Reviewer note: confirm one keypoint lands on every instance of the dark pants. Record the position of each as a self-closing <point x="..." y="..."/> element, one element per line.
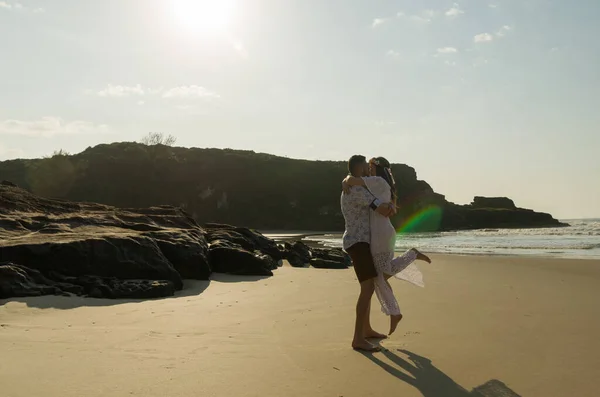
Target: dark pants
<point x="362" y="260"/>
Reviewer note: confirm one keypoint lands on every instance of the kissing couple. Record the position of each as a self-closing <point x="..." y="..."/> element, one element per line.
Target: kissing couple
<point x="368" y="201"/>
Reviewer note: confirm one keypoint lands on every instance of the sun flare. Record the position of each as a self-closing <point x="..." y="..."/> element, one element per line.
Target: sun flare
<point x="204" y="16"/>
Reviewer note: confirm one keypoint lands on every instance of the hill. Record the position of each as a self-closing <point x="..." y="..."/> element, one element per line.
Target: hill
<point x="256" y="190"/>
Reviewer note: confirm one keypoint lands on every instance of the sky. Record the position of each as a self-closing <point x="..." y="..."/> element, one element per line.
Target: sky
<point x="481" y="97"/>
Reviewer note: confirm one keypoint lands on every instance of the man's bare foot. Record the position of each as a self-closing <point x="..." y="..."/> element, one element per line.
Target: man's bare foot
<point x="365" y="346"/>
<point x="394" y="320"/>
<point x="374" y="334"/>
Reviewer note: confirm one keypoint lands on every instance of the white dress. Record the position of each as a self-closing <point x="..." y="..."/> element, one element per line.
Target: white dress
<point x="383" y="241"/>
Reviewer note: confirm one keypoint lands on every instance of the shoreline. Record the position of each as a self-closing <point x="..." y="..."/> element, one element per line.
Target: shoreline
<point x="319" y="244"/>
<point x="581" y="242"/>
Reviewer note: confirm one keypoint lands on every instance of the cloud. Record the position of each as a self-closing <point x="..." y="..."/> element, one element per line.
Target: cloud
<point x="493" y="5"/>
<point x="51" y="126"/>
<point x="183" y="92"/>
<point x="121" y="91"/>
<point x="189" y="92"/>
<point x="483" y="38"/>
<point x="18" y="6"/>
<point x="378" y="22"/>
<point x="450" y="63"/>
<point x="393" y="54"/>
<point x="426" y="16"/>
<point x="447" y="50"/>
<point x="504" y="31"/>
<point x="454" y="11"/>
<point x="418" y="18"/>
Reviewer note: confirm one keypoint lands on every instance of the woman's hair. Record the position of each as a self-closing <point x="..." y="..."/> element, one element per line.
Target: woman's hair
<point x="384" y="170"/>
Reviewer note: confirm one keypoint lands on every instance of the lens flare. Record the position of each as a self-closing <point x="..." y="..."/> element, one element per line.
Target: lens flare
<point x="427" y="219"/>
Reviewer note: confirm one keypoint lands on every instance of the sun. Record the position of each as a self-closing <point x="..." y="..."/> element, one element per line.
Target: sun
<point x="204" y="16"/>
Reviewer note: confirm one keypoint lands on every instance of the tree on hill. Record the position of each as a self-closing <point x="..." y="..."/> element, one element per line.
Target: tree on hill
<point x="158" y="138"/>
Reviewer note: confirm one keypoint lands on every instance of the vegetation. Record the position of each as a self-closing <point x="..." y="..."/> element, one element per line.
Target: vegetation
<point x="158" y="138"/>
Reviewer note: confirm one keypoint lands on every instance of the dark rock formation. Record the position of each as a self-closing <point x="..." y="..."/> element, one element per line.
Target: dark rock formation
<point x="50" y="246"/>
<point x="493" y="202"/>
<point x="299" y="254"/>
<point x="21" y="281"/>
<point x="250" y="240"/>
<point x="331" y="255"/>
<point x="228" y="257"/>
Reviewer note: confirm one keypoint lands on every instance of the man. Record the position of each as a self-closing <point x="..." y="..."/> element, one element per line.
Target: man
<point x="356" y="242"/>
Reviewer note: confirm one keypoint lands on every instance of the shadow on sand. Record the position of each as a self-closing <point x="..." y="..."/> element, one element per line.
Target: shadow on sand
<point x="420" y="373"/>
<point x="190" y="288"/>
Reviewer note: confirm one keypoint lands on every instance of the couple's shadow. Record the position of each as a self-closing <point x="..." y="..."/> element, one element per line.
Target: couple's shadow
<point x="420" y="373"/>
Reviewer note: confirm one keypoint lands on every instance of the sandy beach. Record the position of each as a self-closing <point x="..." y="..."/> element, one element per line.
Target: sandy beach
<point x="503" y="325"/>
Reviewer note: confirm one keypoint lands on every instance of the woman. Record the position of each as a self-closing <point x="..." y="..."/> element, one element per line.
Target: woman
<point x="383" y="239"/>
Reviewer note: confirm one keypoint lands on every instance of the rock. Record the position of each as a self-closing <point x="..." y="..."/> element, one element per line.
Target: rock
<point x="124" y="257"/>
<point x="186" y="250"/>
<point x="327" y="264"/>
<point x="485" y="218"/>
<point x="332" y="254"/>
<point x="297" y="254"/>
<point x="493" y="202"/>
<point x="231" y="258"/>
<point x="21" y="281"/>
<point x="57" y="246"/>
<point x="114" y="288"/>
<point x="329" y="258"/>
<point x="250" y="240"/>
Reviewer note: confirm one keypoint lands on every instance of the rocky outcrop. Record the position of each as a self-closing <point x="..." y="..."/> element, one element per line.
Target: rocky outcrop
<point x="59" y="247"/>
<point x="297" y="253"/>
<point x="50" y="246"/>
<point x="21" y="281"/>
<point x="493" y="202"/>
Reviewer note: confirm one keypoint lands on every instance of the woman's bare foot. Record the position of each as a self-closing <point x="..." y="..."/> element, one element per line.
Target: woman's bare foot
<point x="374" y="334"/>
<point x="422" y="256"/>
<point x="363" y="345"/>
<point x="394" y="320"/>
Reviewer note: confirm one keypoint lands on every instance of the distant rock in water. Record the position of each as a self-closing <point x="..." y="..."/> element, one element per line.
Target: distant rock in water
<point x="493" y="202"/>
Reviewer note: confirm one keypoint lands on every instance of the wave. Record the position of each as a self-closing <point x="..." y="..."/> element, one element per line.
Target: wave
<point x="578" y="240"/>
<point x="510" y="247"/>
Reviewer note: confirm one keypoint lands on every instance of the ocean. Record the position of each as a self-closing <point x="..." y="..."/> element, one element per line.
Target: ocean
<point x="581" y="240"/>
